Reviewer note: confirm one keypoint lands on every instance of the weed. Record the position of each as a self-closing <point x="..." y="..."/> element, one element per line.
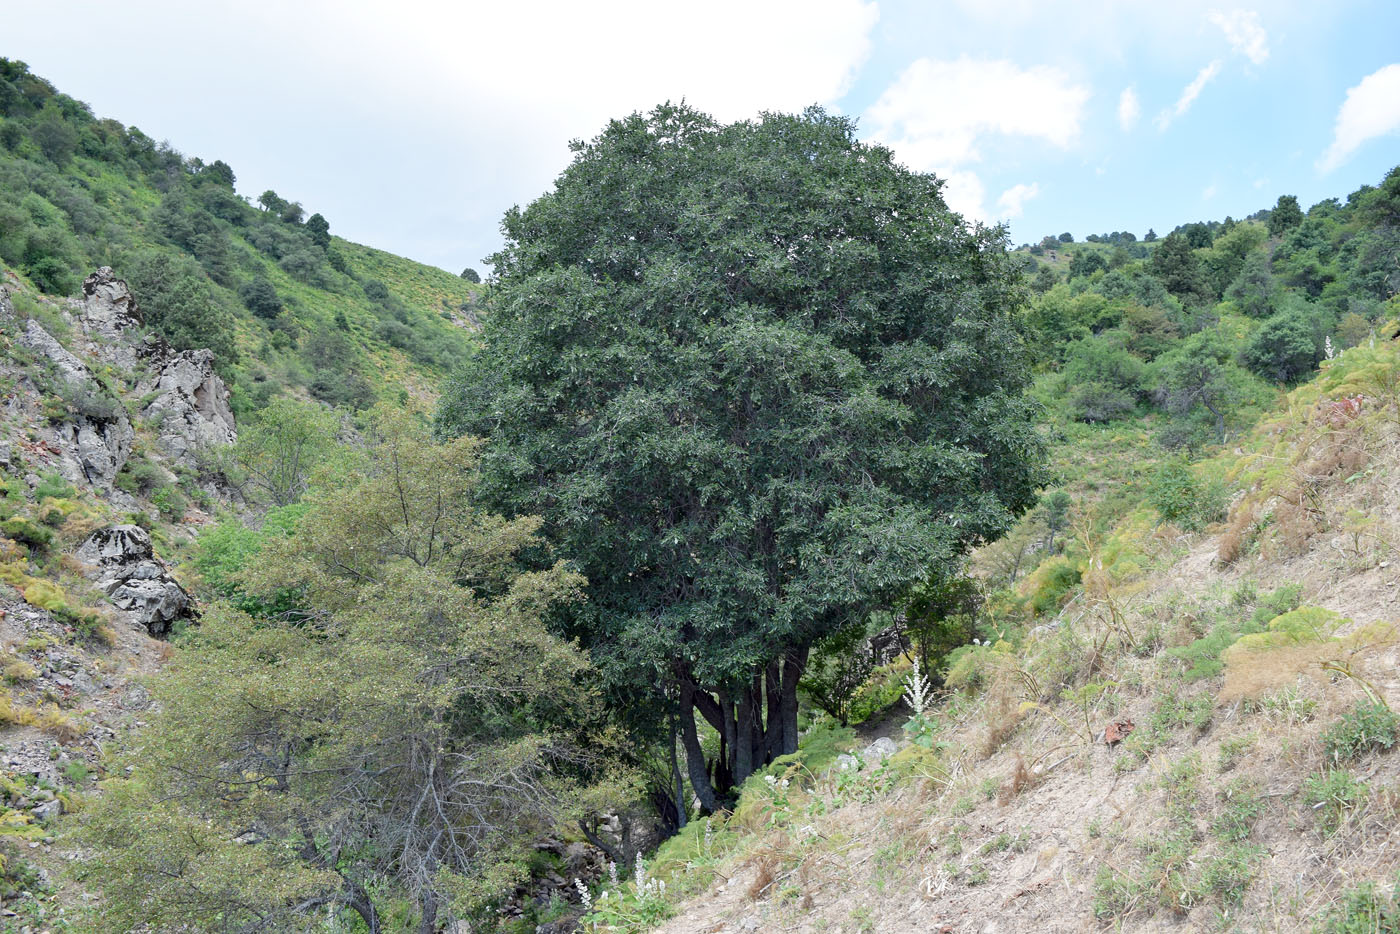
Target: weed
<point x="1233" y="750"/>
<point x="1367" y="727"/>
<point x="1333" y="795"/>
<point x="1241" y="808"/>
<point x="976" y="873"/>
<point x="1363" y="910"/>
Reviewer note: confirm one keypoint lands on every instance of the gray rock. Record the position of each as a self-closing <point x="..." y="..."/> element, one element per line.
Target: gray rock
<point x="847" y="763"/>
<point x="127" y="570"/>
<point x="116" y="545"/>
<point x="109" y="308"/>
<point x="882" y="748"/>
<point x="94" y="450"/>
<point x="191" y="406"/>
<point x="94" y="443"/>
<point x="48" y="809"/>
<point x="69" y="367"/>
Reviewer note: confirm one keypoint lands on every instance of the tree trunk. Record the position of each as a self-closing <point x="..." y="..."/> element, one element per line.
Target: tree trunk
<point x="743" y="741"/>
<point x="772" y="693"/>
<point x="694" y="755"/>
<point x="360" y="902"/>
<point x="676" y="779"/>
<point x="728" y="741"/>
<point x="793" y="666"/>
<point x="427" y="922"/>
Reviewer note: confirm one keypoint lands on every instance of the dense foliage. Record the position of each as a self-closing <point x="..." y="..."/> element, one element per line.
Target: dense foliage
<point x="759" y="380"/>
<point x="1197" y="325"/>
<point x="400" y="736"/>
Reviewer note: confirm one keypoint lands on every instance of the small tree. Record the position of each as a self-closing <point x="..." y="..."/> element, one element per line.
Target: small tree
<point x="279" y="452"/>
<point x="261" y="297"/>
<point x="471" y="275"/>
<point x="1283" y="349"/>
<point x="55" y="136"/>
<point x="271" y="202"/>
<point x="1066" y="237"/>
<point x="320" y="230"/>
<point x="941" y="616"/>
<point x="1285" y="215"/>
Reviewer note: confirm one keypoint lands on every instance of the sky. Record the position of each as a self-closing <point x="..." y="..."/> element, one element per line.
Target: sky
<point x="414" y="126"/>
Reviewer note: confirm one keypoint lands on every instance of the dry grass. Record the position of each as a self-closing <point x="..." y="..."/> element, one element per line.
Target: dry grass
<point x="1022" y="778"/>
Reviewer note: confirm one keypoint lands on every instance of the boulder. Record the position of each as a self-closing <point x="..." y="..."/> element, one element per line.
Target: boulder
<point x="882" y="748"/>
<point x="190" y="404"/>
<point x="127" y="570"/>
<point x="95" y="449"/>
<point x="110" y="316"/>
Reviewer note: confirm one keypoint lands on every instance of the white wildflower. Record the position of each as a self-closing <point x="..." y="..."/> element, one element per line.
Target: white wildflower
<point x="583" y="894"/>
<point x="1327" y="347"/>
<point x="917" y="690"/>
<point x="612" y="874"/>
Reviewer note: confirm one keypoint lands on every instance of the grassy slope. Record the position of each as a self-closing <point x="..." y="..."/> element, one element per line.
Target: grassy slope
<point x="1223" y="810"/>
<point x="102" y="206"/>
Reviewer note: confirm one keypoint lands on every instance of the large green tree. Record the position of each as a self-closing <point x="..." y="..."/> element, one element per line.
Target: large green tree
<point x="758" y="379"/>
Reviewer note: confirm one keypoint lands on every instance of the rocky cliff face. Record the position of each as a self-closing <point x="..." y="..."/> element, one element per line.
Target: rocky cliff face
<point x="184" y="403"/>
<point x="100" y="423"/>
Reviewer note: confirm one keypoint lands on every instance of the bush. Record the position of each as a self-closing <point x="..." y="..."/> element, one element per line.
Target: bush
<point x="261" y="298"/>
<point x="1283" y="348"/>
<point x="52" y="485"/>
<point x="1367" y="727"/>
<point x="36" y="537"/>
<point x="1051" y="583"/>
<point x="1180" y="498"/>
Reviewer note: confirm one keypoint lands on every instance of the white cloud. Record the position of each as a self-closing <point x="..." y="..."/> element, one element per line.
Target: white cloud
<point x="1244" y="33"/>
<point x="963" y="191"/>
<point x="1208" y="193"/>
<point x="1014" y="199"/>
<point x="413" y="125"/>
<point x="1188" y="95"/>
<point x="1129" y="109"/>
<point x="1371" y="109"/>
<point x="935" y="113"/>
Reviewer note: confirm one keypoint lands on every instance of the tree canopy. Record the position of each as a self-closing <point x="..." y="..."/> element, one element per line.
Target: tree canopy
<point x="756" y="378"/>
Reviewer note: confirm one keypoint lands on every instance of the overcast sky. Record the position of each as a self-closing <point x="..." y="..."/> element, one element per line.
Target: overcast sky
<point x="413" y="126"/>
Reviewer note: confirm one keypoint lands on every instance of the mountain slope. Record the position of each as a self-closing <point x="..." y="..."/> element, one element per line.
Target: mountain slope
<point x="284" y="305"/>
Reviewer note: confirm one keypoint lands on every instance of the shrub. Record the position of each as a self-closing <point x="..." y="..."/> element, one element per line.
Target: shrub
<point x="882" y="689"/>
<point x="53" y="485"/>
<point x="1370" y="726"/>
<point x="36" y="537"/>
<point x="261" y="298"/>
<point x="1051" y="584"/>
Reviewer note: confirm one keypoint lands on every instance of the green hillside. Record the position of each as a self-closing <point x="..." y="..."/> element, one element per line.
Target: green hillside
<point x="285" y="305"/>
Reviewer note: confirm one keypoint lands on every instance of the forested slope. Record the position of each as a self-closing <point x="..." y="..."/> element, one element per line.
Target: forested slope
<point x="283" y="303"/>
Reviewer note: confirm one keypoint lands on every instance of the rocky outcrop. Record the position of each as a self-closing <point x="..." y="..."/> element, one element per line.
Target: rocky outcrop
<point x="110" y="316"/>
<point x="190" y="408"/>
<point x="95" y="441"/>
<point x="94" y="449"/>
<point x="66" y="366"/>
<point x="127" y="570"/>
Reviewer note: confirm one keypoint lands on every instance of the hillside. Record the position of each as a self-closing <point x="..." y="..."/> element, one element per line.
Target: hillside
<point x="284" y="654"/>
<point x="1197" y="734"/>
<point x="149" y="317"/>
<point x="284" y="304"/>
